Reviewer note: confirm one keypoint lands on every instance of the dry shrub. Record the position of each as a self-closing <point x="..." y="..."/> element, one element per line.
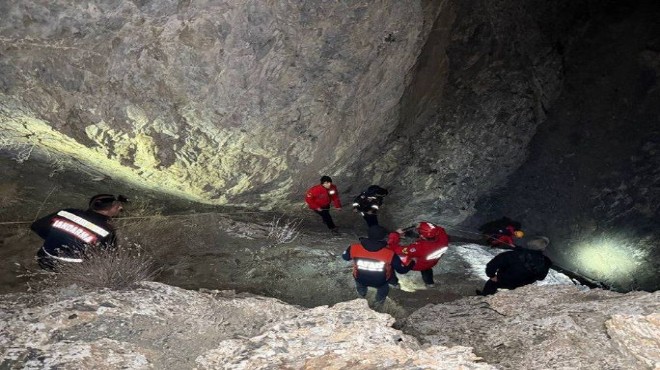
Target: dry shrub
<point x="283" y="230"/>
<point x="113" y="268"/>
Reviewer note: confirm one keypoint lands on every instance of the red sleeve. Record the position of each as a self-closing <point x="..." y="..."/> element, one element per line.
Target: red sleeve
<point x="335" y="197"/>
<point x="310" y="199"/>
<point x="393" y="243"/>
<point x="506" y="240"/>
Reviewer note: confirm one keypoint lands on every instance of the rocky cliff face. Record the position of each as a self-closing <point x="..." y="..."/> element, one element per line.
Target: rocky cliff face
<point x="157" y="326"/>
<point x="218" y="101"/>
<point x="248" y="104"/>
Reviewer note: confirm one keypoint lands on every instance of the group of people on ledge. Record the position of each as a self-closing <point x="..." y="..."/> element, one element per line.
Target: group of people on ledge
<point x="378" y="257"/>
<point x="68" y="233"/>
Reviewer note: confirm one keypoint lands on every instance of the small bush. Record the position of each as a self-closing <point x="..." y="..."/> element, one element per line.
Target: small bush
<point x="114" y="268"/>
<point x="283" y="230"/>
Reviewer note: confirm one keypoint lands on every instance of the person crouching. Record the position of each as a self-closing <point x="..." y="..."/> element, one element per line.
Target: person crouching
<point x="373" y="264"/>
<point x="68" y="233"/>
<point x="521" y="266"/>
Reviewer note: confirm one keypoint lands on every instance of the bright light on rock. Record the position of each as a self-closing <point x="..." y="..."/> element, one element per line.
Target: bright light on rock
<point x="608" y="259"/>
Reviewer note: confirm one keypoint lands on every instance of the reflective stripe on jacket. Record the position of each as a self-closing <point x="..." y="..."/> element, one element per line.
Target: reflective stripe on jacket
<point x="374" y="268"/>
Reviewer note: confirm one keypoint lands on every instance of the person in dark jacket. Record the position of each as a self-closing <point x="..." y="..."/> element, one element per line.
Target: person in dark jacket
<point x="374" y="263"/>
<point x="318" y="199"/>
<point x="368" y="204"/>
<point x="522" y="266"/>
<point x="68" y="233"/>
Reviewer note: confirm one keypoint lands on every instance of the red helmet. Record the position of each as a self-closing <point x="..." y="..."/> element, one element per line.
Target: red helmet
<point x="427" y="230"/>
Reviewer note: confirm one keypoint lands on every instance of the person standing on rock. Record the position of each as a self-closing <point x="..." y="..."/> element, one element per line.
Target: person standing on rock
<point x="374" y="264"/>
<point x="518" y="267"/>
<point x="68" y="233"/>
<point x="319" y="197"/>
<point x="368" y="204"/>
<point x="426" y="251"/>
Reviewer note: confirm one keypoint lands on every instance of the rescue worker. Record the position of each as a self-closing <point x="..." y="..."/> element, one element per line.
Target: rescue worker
<point x="68" y="233"/>
<point x="502" y="233"/>
<point x="426" y="251"/>
<point x="373" y="264"/>
<point x="320" y="196"/>
<point x="368" y="204"/>
<point x="518" y="267"/>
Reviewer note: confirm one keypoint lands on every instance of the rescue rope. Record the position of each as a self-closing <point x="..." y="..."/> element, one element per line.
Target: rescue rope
<point x="488" y="237"/>
<point x="151" y="216"/>
<point x="36" y="216"/>
<point x="446" y="226"/>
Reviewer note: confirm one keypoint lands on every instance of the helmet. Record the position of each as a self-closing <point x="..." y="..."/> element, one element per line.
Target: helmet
<point x="426" y="230"/>
<point x="518" y="233"/>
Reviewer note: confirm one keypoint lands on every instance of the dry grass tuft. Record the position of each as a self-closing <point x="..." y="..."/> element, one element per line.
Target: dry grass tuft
<point x="283" y="230"/>
<point x="113" y="268"/>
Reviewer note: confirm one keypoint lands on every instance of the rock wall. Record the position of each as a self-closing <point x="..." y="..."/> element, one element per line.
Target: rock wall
<point x="219" y="101"/>
<point x="485" y="78"/>
<point x="592" y="181"/>
<point x="248" y="104"/>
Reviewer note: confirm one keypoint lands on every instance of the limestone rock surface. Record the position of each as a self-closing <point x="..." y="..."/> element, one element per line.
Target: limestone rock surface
<point x="218" y="101"/>
<point x="162" y="327"/>
<point x="247" y="103"/>
<point x="542" y="327"/>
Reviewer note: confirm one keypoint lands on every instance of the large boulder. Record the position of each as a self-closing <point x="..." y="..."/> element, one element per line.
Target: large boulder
<point x="549" y="327"/>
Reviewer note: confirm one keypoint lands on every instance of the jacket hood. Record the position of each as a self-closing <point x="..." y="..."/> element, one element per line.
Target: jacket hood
<point x="373" y="245"/>
<point x="538" y="243"/>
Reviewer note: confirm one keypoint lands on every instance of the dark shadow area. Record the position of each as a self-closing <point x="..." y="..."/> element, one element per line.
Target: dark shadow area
<point x="592" y="179"/>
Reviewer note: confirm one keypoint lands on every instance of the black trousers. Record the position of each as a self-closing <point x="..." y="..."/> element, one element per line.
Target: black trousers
<point x="327" y="219"/>
<point x="371" y="220"/>
<point x="427" y="276"/>
<point x="381" y="291"/>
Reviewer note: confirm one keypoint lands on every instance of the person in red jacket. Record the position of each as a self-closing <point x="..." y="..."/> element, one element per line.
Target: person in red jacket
<point x="502" y="233"/>
<point x="320" y="196"/>
<point x="426" y="251"/>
